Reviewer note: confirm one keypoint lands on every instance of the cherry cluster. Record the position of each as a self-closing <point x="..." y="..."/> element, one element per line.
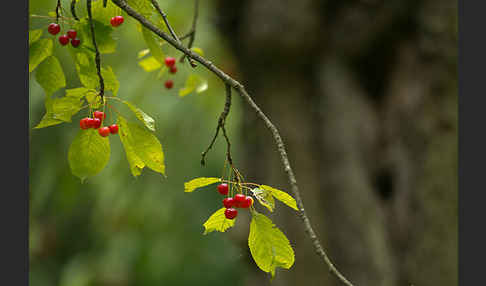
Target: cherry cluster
<point x="116" y="21"/>
<point x="71" y="34"/>
<point x="231" y="203"/>
<point x="170" y="63"/>
<point x="95" y="122"/>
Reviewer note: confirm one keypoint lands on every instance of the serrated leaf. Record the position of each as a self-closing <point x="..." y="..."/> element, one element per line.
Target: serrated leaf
<point x="198" y="51"/>
<point x="269" y="247"/>
<point x="153" y="45"/>
<point x="218" y="222"/>
<point x="281" y="196"/>
<point x="88" y="154"/>
<point x="135" y="162"/>
<point x="34" y="35"/>
<point x="198" y="183"/>
<point x="148" y="121"/>
<point x="264" y="197"/>
<point x="150" y="64"/>
<point x="86" y="69"/>
<point x="193" y="83"/>
<point x="143" y="53"/>
<point x="50" y="75"/>
<point x="144" y="144"/>
<point x="38" y="52"/>
<point x="59" y="110"/>
<point x="93" y="99"/>
<point x="105" y="42"/>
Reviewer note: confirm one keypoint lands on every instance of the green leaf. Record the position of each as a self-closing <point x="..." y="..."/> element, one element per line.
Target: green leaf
<point x="93" y="99"/>
<point x="153" y="45"/>
<point x="38" y="52"/>
<point x="269" y="247"/>
<point x="198" y="51"/>
<point x="105" y="42"/>
<point x="144" y="145"/>
<point x="281" y="196"/>
<point x="88" y="154"/>
<point x="143" y="7"/>
<point x="218" y="222"/>
<point x="148" y="121"/>
<point x="198" y="183"/>
<point x="50" y="75"/>
<point x="104" y="14"/>
<point x="193" y="83"/>
<point x="265" y="198"/>
<point x="111" y="82"/>
<point x="135" y="162"/>
<point x="86" y="69"/>
<point x="59" y="110"/>
<point x="79" y="92"/>
<point x="143" y="53"/>
<point x="150" y="64"/>
<point x="34" y="35"/>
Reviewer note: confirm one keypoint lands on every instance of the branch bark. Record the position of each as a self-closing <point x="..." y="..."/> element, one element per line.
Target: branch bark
<point x="276" y="135"/>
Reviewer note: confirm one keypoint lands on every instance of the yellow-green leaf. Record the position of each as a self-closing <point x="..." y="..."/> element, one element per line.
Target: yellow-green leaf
<point x="265" y="198"/>
<point x="193" y="83"/>
<point x="34" y="35"/>
<point x="150" y="64"/>
<point x="104" y="14"/>
<point x="135" y="162"/>
<point x="153" y="45"/>
<point x="78" y="92"/>
<point x="111" y="82"/>
<point x="143" y="53"/>
<point x="88" y="154"/>
<point x="281" y="196"/>
<point x="143" y="7"/>
<point x="148" y="121"/>
<point x="198" y="183"/>
<point x="59" y="110"/>
<point x="39" y="51"/>
<point x="105" y="42"/>
<point x="198" y="51"/>
<point x="269" y="247"/>
<point x="50" y="75"/>
<point x="218" y="222"/>
<point x="144" y="144"/>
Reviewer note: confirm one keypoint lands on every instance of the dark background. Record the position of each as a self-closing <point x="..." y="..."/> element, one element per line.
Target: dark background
<point x="365" y="96"/>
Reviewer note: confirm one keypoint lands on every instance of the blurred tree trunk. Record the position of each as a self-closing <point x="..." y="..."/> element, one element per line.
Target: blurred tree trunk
<point x="364" y="94"/>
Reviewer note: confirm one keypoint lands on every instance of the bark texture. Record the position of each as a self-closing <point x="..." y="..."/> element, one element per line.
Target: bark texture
<point x="364" y="94"/>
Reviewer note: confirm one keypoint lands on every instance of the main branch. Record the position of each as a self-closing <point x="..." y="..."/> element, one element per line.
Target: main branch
<point x="278" y="140"/>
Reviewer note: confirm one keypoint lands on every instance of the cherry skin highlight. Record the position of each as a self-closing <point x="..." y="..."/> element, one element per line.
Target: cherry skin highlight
<point x="247" y="203"/>
<point x="113" y="129"/>
<point x="64" y="40"/>
<point x="170" y="61"/>
<point x="72" y="34"/>
<point x="230" y="213"/>
<point x="99" y="114"/>
<point x="75" y="42"/>
<point x="228" y="202"/>
<point x="96" y="123"/>
<point x="104" y="131"/>
<point x="83" y="123"/>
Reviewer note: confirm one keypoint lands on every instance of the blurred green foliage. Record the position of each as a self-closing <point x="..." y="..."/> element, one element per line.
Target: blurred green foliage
<point x="115" y="229"/>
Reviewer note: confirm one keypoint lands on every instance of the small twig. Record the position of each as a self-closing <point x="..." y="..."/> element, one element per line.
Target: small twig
<point x="51" y="18"/>
<point x="73" y="9"/>
<point x="192" y="33"/>
<point x="104" y="3"/>
<point x="169" y="27"/>
<point x="97" y="56"/>
<point x="58" y="8"/>
<point x="221" y="123"/>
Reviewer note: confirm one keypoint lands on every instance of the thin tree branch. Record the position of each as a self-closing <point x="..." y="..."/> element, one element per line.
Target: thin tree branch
<point x="278" y="140"/>
<point x="221" y="123"/>
<point x="169" y="27"/>
<point x="97" y="52"/>
<point x="192" y="33"/>
<point x="58" y="8"/>
<point x="73" y="9"/>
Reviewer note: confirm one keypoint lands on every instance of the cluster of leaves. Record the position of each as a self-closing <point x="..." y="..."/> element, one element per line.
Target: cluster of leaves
<point x="89" y="153"/>
<point x="269" y="247"/>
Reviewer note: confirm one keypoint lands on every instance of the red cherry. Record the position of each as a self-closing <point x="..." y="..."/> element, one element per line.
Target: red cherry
<point x="228" y="202"/>
<point x="99" y="114"/>
<point x="90" y="122"/>
<point x="71" y="34"/>
<point x="96" y="123"/>
<point x="53" y="28"/>
<point x="113" y="22"/>
<point x="239" y="200"/>
<point x="173" y="69"/>
<point x="64" y="40"/>
<point x="247" y="203"/>
<point x="170" y="61"/>
<point x="113" y="128"/>
<point x="119" y="20"/>
<point x="169" y="84"/>
<point x="75" y="42"/>
<point x="223" y="189"/>
<point x="83" y="123"/>
<point x="230" y="213"/>
<point x="104" y="131"/>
